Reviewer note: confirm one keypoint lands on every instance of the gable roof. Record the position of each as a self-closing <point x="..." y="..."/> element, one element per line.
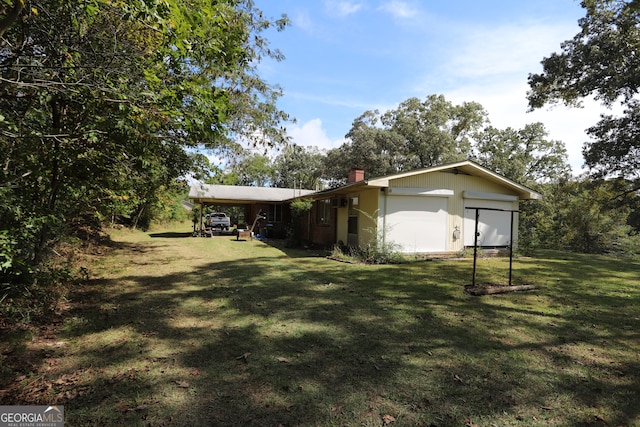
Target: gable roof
<point x="466" y="167"/>
<point x="210" y="193"/>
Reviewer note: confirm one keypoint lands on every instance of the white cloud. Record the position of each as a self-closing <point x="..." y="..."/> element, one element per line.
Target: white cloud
<point x="302" y="20"/>
<point x="399" y="9"/>
<point x="490" y="66"/>
<point x="507" y="106"/>
<point x="342" y="8"/>
<point x="312" y="133"/>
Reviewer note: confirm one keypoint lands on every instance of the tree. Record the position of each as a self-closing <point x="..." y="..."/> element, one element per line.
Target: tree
<point x="416" y="135"/>
<point x="601" y="60"/>
<point x="11" y="12"/>
<point x="434" y="131"/>
<point x="105" y="94"/>
<point x="101" y="100"/>
<point x="525" y="156"/>
<point x="299" y="167"/>
<point x="370" y="146"/>
<point x="253" y="169"/>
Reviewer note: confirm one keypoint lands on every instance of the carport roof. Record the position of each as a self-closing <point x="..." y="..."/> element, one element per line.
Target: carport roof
<point x="235" y="194"/>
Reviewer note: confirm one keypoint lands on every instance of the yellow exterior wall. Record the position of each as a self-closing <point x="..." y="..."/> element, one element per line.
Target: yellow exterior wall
<point x="367" y="212"/>
<point x="368" y="216"/>
<point x="341" y="226"/>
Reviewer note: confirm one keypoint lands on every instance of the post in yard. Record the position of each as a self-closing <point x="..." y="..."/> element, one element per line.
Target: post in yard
<point x="475" y="241"/>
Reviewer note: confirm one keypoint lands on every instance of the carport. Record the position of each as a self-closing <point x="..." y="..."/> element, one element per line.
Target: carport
<point x="274" y="202"/>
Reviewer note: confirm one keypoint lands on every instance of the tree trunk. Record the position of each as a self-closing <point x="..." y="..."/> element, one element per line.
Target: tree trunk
<point x="490" y="290"/>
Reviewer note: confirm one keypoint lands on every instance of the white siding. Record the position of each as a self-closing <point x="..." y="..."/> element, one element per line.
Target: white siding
<point x="417" y="223"/>
<point x="494" y="227"/>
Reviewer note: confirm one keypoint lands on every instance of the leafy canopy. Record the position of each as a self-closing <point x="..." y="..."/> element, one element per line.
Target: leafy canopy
<point x="416" y="135"/>
<point x="601" y="61"/>
<point x="100" y="101"/>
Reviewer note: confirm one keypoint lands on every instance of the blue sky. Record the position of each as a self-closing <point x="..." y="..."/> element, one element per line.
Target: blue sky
<point x="344" y="57"/>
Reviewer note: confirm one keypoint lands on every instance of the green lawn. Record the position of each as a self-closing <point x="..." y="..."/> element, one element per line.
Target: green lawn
<point x="175" y="330"/>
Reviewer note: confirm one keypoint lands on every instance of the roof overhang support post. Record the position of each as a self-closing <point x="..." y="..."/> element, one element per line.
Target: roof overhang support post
<point x="201" y="222"/>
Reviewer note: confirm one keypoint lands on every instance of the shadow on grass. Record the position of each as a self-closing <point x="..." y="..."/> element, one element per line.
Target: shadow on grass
<point x="289" y="338"/>
<point x="171" y="235"/>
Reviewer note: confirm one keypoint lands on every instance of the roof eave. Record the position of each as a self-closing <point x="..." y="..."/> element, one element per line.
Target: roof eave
<point x="345" y="189"/>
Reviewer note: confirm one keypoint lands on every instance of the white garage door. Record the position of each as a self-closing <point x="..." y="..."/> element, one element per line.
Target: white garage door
<point x="494" y="227"/>
<point x="417" y="223"/>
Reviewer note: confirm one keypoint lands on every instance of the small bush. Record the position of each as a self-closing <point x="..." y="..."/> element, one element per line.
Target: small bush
<point x="370" y="254"/>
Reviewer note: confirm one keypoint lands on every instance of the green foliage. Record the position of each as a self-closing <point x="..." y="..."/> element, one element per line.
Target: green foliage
<point x="299" y="167"/>
<point x="600" y="61"/>
<point x="102" y="103"/>
<point x="416" y="135"/>
<point x="371" y="253"/>
<point x="524" y="156"/>
<point x="581" y="216"/>
<point x="168" y="207"/>
<point x="253" y="170"/>
<point x="301" y="207"/>
<point x="377" y="249"/>
<point x="433" y="131"/>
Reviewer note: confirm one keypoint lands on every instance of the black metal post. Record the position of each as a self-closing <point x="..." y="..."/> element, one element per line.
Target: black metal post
<point x="511" y="250"/>
<point x="475" y="247"/>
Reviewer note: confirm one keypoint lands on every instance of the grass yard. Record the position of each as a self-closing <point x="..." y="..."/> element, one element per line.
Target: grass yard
<point x="180" y="331"/>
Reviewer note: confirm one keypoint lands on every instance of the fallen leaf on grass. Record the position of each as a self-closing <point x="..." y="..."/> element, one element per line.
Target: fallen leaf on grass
<point x="182" y="384"/>
<point x="388" y="419"/>
<point x="127" y="408"/>
<point x="244" y="356"/>
<point x="602" y="420"/>
<point x="283" y="359"/>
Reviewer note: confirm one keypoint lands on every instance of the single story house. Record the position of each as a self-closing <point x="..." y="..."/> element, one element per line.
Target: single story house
<point x="431" y="210"/>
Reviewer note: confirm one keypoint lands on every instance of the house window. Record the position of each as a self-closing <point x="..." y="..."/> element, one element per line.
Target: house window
<point x="275" y="213"/>
<point x="323" y="212"/>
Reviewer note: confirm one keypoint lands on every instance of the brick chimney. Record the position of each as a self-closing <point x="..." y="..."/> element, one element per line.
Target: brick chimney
<point x="355" y="175"/>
